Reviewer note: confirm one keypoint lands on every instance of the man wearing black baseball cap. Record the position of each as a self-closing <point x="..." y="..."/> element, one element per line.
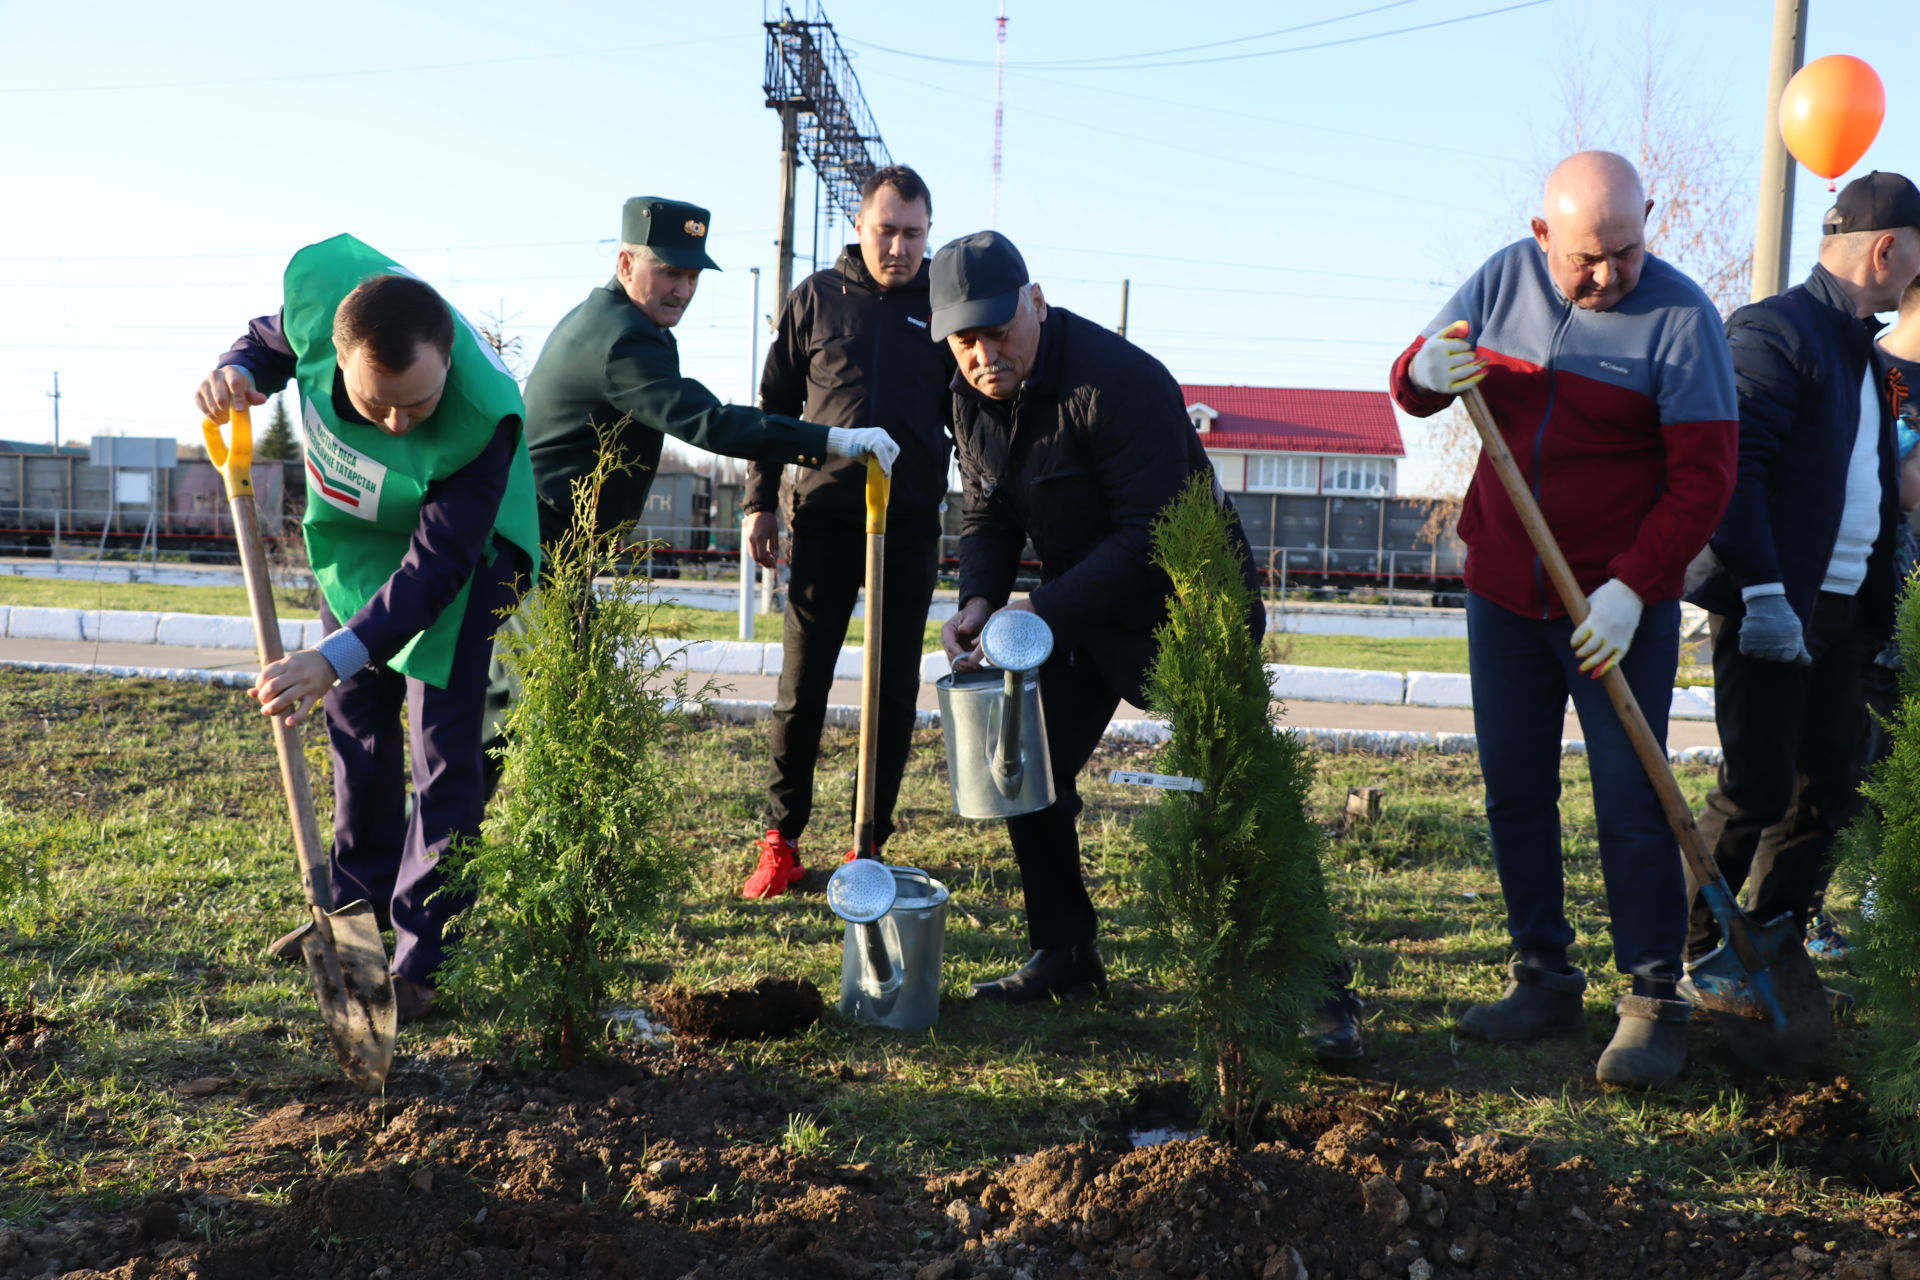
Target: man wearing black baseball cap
<point x="1070" y="436"/>
<point x="1804" y="578"/>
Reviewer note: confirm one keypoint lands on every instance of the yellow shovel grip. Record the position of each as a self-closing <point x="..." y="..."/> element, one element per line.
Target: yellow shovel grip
<point x="879" y="489"/>
<point x="235" y="463"/>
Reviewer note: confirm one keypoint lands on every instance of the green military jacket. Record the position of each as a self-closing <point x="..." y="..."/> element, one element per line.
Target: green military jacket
<point x="605" y="362"/>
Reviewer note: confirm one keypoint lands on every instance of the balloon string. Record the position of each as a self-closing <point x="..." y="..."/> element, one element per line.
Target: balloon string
<point x="1833" y="184"/>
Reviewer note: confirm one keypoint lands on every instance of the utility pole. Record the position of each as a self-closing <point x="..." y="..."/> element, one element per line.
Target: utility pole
<point x="753" y="374"/>
<point x="824" y="117"/>
<point x="1126" y="286"/>
<point x="66" y="473"/>
<point x="789" y="163"/>
<point x="1773" y="227"/>
<point x="1000" y="103"/>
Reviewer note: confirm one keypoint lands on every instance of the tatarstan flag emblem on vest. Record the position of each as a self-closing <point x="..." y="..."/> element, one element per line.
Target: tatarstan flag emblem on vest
<point x="342" y="476"/>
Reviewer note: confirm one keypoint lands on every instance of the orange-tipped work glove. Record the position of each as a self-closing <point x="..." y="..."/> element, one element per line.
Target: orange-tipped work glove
<point x="1446" y="364"/>
<point x="1613" y="615"/>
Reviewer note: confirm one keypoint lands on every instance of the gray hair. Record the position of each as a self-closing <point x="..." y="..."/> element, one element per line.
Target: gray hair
<point x="640" y="251"/>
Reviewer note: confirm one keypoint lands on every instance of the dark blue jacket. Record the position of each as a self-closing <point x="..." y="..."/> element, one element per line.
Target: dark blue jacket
<point x="1799" y="359"/>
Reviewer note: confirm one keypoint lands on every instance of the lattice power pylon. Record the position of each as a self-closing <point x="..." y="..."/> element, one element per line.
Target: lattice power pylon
<point x="823" y="116"/>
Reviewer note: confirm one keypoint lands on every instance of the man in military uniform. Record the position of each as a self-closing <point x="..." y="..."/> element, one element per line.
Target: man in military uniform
<point x="612" y="365"/>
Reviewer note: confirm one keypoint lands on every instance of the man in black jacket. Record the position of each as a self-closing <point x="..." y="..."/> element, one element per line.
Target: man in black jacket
<point x="1071" y="436"/>
<point x="852" y="349"/>
<point x="1804" y="581"/>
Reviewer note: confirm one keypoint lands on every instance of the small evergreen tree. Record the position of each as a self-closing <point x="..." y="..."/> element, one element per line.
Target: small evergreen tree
<point x="1232" y="877"/>
<point x="279" y="443"/>
<point x="576" y="864"/>
<point x="1879" y="860"/>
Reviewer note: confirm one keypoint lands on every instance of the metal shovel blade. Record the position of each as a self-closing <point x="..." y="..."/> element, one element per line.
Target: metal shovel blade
<point x="1773" y="1015"/>
<point x="355" y="992"/>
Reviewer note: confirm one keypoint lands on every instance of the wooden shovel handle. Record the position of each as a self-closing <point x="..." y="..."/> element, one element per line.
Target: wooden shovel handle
<point x="235" y="465"/>
<point x="879" y="492"/>
<point x="1693" y="847"/>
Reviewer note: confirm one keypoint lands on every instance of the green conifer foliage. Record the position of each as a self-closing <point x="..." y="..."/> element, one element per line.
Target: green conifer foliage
<point x="1880" y="862"/>
<point x="1232" y="876"/>
<point x="576" y="866"/>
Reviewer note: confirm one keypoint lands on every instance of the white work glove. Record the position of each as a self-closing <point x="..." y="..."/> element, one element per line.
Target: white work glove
<point x="1446" y="363"/>
<point x="852" y="442"/>
<point x="1613" y="615"/>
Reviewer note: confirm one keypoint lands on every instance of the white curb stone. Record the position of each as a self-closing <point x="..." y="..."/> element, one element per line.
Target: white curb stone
<point x="1335" y="684"/>
<point x="204" y="631"/>
<point x="774" y="661"/>
<point x="1439" y="689"/>
<point x="1693" y="703"/>
<point x="934" y="665"/>
<point x="30" y="622"/>
<point x="739" y="657"/>
<point x="847" y="667"/>
<point x="6" y="613"/>
<point x="119" y="626"/>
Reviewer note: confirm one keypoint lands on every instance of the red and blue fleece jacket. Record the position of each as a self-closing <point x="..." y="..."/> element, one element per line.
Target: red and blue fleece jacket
<point x="1624" y="423"/>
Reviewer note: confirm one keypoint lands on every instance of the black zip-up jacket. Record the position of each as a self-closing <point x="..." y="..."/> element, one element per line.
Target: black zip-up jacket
<point x="1799" y="359"/>
<point x="855" y="355"/>
<point x="1082" y="460"/>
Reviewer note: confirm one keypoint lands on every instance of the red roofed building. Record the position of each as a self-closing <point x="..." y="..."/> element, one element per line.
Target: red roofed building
<point x="1298" y="440"/>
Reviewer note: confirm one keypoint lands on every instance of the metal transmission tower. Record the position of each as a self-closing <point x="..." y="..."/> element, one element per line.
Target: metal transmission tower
<point x="810" y="82"/>
<point x="999" y="101"/>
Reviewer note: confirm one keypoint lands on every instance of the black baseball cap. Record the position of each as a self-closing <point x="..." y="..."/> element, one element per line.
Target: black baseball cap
<point x="976" y="282"/>
<point x="675" y="230"/>
<point x="1877" y="202"/>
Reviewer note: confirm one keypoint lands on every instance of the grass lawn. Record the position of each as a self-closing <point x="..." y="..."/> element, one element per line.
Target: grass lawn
<point x="159" y="805"/>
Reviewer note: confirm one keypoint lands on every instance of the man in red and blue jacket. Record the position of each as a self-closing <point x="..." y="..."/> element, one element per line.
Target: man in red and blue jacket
<point x="1609" y="375"/>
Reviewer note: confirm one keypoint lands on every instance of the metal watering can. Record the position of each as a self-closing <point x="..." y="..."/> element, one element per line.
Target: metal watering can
<point x="996" y="737"/>
<point x="896" y="934"/>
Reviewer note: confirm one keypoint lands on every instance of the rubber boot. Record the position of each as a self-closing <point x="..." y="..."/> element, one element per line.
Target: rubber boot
<point x="1538" y="1003"/>
<point x="1335" y="1037"/>
<point x="1649" y="1047"/>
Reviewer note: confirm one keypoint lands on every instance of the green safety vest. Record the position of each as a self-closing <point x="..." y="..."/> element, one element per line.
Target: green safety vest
<point x="364" y="487"/>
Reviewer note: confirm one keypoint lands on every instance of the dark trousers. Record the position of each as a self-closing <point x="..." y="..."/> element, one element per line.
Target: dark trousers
<point x="1077" y="703"/>
<point x="380" y="852"/>
<point x="1790" y="742"/>
<point x="829" y="566"/>
<point x="1523" y="670"/>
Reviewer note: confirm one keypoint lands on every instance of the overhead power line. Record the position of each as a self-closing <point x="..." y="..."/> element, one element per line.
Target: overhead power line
<point x="1194" y="62"/>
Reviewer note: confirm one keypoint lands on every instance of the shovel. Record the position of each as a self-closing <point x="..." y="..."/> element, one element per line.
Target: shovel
<point x="1758" y="985"/>
<point x="879" y="489"/>
<point x="346" y="962"/>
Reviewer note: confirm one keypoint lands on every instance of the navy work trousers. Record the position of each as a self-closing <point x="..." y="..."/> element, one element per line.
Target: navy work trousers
<point x="1523" y="671"/>
<point x="1791" y="756"/>
<point x="1077" y="703"/>
<point x="380" y="853"/>
<point x="828" y="568"/>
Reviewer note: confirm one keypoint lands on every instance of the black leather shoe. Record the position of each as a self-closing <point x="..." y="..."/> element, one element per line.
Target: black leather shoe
<point x="1336" y="1035"/>
<point x="1050" y="972"/>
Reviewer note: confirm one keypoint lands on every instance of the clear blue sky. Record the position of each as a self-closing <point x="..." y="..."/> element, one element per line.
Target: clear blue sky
<point x="1286" y="219"/>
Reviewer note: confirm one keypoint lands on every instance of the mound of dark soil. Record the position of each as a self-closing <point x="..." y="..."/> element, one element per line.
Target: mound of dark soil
<point x="27" y="1040"/>
<point x="670" y="1164"/>
<point x="770" y="1007"/>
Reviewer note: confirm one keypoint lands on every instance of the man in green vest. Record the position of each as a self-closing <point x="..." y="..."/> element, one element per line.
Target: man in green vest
<point x="611" y="365"/>
<point x="421" y="529"/>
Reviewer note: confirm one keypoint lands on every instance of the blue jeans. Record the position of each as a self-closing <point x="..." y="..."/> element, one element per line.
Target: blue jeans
<point x="1523" y="671"/>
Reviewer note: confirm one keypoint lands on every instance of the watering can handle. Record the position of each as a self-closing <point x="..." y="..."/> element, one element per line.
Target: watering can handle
<point x="1007" y="769"/>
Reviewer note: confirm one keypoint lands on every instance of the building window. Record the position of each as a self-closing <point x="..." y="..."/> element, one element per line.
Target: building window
<point x="1283" y="473"/>
<point x="1360" y="475"/>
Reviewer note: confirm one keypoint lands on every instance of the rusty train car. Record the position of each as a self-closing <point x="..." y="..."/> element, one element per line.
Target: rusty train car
<point x="184" y="507"/>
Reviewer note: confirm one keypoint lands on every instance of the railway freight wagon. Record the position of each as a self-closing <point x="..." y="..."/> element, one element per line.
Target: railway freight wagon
<point x="186" y="505"/>
<point x="1317" y="540"/>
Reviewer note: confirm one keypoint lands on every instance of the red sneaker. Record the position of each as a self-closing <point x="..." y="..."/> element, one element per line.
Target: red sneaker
<point x="854" y="853"/>
<point x="779" y="868"/>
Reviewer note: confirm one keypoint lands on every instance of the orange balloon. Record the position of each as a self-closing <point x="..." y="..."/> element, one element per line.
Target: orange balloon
<point x="1831" y="113"/>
